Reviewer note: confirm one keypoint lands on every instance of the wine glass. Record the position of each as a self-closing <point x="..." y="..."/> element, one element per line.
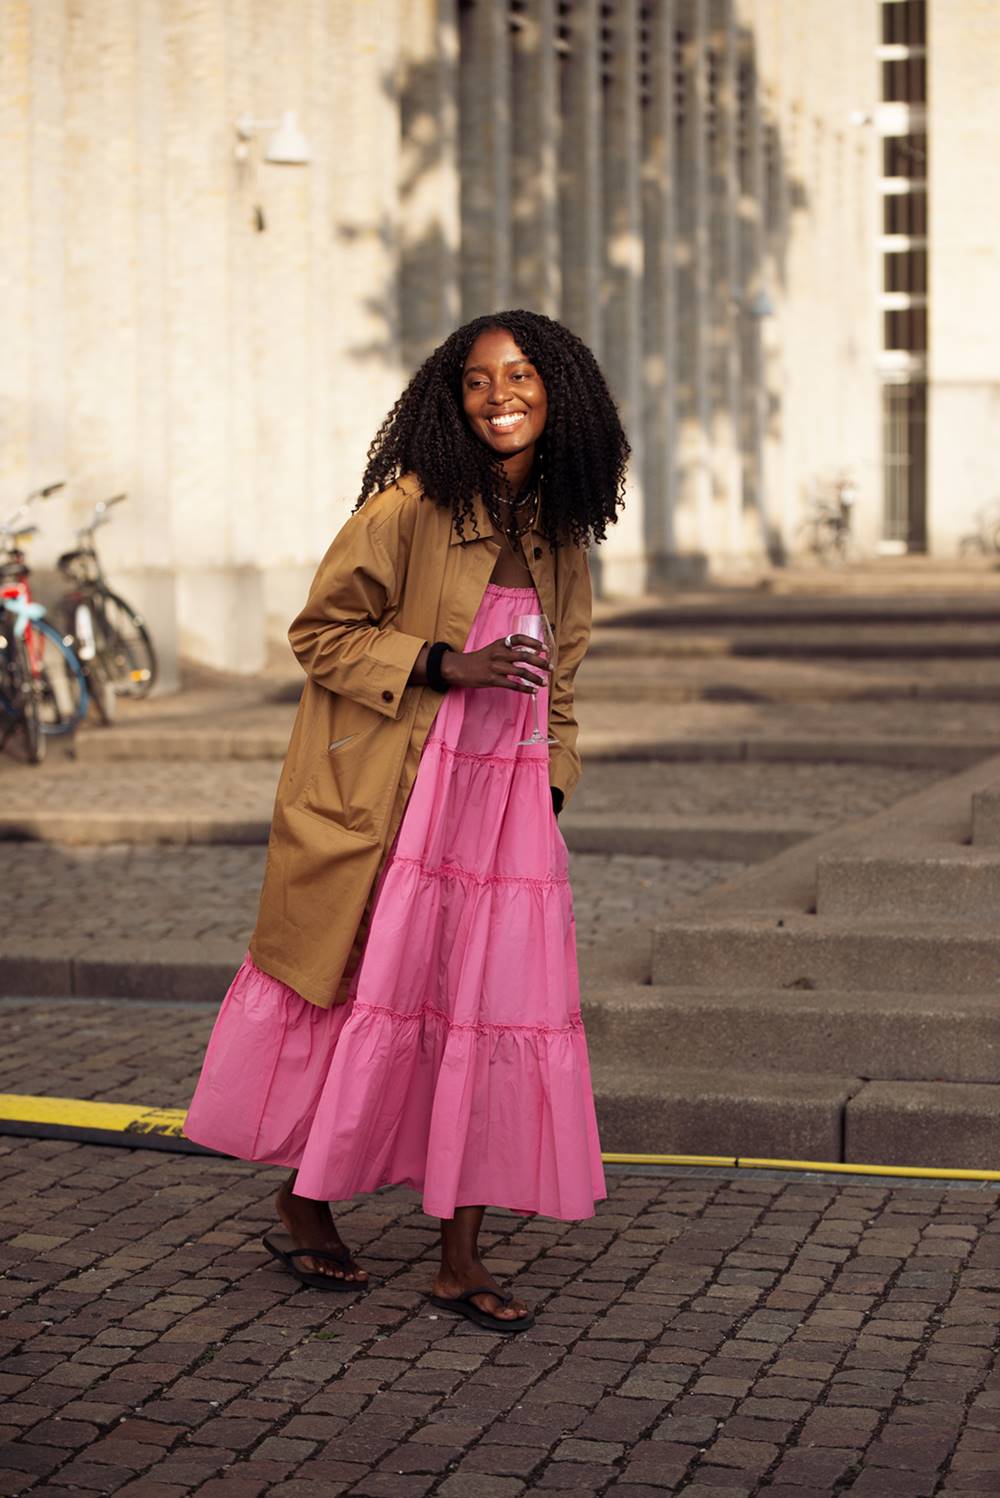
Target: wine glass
<point x="537" y="626"/>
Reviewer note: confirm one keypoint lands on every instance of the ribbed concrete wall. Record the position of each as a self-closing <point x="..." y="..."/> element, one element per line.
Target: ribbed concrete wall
<point x="964" y="293"/>
<point x="644" y="175"/>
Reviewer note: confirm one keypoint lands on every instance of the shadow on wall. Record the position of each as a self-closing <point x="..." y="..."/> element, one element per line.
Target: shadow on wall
<point x="711" y="387"/>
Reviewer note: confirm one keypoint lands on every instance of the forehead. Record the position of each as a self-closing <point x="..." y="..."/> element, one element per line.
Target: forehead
<point x="495" y="346"/>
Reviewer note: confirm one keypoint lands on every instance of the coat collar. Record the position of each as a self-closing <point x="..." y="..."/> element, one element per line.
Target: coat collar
<point x="487" y="530"/>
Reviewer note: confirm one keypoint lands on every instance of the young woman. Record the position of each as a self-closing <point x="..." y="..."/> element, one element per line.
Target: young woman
<point x="409" y="1008"/>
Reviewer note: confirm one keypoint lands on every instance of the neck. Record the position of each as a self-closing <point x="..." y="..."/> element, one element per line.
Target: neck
<point x="517" y="471"/>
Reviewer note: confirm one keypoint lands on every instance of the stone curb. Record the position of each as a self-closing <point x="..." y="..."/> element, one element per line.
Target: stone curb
<point x="948" y="754"/>
<point x="724" y="839"/>
<point x="121" y="970"/>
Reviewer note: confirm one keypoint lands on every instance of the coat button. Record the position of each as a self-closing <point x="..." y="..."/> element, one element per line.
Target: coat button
<point x="386" y="696"/>
<point x="537" y="552"/>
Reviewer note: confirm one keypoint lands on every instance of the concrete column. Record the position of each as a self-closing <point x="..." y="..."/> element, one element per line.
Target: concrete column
<point x="727" y="290"/>
<point x="623" y="555"/>
<point x="754" y="283"/>
<point x="364" y="264"/>
<point x="271" y="268"/>
<point x="220" y="608"/>
<point x="535" y="182"/>
<point x="49" y="457"/>
<point x="964" y="395"/>
<point x="580" y="174"/>
<point x="660" y="300"/>
<point x="430" y="217"/>
<point x="484" y="103"/>
<point x="694" y="480"/>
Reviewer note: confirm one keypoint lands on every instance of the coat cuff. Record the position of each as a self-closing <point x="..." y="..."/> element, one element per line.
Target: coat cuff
<point x="392" y="656"/>
<point x="564" y="769"/>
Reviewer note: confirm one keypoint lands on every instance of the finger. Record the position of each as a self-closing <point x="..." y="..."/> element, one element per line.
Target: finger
<point x="517" y="658"/>
<point x="514" y="685"/>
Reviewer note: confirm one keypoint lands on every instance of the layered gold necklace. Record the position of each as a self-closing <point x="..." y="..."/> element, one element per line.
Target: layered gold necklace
<point x="517" y="527"/>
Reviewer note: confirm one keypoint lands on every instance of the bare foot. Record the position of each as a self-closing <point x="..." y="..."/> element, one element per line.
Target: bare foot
<point x="310" y="1225"/>
<point x="452" y="1281"/>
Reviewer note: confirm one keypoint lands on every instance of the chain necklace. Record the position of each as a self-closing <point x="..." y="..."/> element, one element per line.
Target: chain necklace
<point x="513" y="531"/>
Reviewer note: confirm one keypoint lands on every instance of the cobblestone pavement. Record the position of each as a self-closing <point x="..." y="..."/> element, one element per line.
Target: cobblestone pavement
<point x="210" y="893"/>
<point x="709" y="1334"/>
<point x="244" y="789"/>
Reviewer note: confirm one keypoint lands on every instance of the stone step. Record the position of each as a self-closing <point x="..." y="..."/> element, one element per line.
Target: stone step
<point x="645" y="1109"/>
<point x="732" y="839"/>
<point x="128" y="743"/>
<point x="986" y="818"/>
<point x="939" y="1125"/>
<point x="802" y="951"/>
<point x="796" y="1116"/>
<point x="920" y="1036"/>
<point x="938" y="883"/>
<point x="796" y="640"/>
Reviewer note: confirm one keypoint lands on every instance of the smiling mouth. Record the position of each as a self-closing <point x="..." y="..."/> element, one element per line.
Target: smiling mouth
<point x="505" y="423"/>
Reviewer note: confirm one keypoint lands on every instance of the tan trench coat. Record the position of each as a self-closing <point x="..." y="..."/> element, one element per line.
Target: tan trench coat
<point x="397" y="576"/>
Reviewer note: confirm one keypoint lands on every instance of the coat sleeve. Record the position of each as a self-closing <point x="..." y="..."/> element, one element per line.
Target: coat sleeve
<point x="571" y="646"/>
<point x="344" y="638"/>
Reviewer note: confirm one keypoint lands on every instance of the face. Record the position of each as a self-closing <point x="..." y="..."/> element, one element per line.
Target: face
<point x="504" y="399"/>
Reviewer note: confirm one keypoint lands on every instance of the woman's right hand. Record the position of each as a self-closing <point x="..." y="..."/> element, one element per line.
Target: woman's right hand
<point x="498" y="665"/>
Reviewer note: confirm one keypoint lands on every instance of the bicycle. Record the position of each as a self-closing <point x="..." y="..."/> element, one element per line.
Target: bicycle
<point x="826" y="529"/>
<point x="37" y="656"/>
<point x="111" y="637"/>
<point x="19" y="698"/>
<point x="984" y="541"/>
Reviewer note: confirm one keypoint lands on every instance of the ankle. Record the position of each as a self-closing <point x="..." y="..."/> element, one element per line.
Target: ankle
<point x="458" y="1265"/>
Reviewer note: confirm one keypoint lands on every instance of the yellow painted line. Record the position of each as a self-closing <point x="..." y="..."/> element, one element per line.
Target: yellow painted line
<point x="133" y="1120"/>
<point x="619" y="1159"/>
<point x="841" y="1168"/>
<point x="78" y="1113"/>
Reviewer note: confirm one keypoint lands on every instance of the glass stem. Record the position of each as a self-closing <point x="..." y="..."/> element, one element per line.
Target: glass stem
<point x="534" y="710"/>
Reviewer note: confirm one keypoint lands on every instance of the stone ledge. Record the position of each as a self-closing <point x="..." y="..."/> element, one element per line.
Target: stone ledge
<point x="175" y="970"/>
<point x="800" y="951"/>
<point x="823" y="1032"/>
<point x="649" y="1110"/>
<point x="941" y="1125"/>
<point x="986" y="818"/>
<point x="922" y="880"/>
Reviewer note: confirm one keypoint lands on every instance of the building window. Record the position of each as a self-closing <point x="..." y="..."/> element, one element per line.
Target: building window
<point x="906" y="329"/>
<point x="680" y="83"/>
<point x="904" y="23"/>
<point x="904" y="464"/>
<point x="905" y="213"/>
<point x="904" y="156"/>
<point x="904" y="80"/>
<point x="905" y="270"/>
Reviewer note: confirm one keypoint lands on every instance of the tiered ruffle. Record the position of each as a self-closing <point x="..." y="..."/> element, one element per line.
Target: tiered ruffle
<point x="459" y="1064"/>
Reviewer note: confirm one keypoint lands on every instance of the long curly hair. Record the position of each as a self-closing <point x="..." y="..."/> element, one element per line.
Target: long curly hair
<point x="581" y="457"/>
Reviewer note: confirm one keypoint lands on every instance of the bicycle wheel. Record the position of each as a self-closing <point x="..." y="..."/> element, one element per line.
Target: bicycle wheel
<point x="124" y="642"/>
<point x="64" y="696"/>
<point x="27" y="699"/>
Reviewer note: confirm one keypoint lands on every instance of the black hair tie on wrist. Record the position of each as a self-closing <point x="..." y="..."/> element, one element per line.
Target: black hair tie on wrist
<point x="433" y="668"/>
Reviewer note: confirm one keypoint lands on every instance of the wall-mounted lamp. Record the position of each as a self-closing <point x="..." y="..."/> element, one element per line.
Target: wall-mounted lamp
<point x="287" y="146"/>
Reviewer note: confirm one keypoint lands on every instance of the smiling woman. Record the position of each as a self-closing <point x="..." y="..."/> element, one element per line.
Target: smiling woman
<point x="409" y="1010"/>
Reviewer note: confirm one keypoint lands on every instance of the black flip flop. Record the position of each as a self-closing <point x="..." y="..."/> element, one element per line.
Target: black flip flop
<point x="286" y="1256"/>
<point x="462" y="1305"/>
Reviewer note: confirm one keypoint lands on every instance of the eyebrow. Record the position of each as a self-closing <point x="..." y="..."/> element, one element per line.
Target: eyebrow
<point x="481" y="368"/>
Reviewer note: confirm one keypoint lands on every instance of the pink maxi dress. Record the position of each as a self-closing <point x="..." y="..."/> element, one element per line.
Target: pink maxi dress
<point x="458" y="1064"/>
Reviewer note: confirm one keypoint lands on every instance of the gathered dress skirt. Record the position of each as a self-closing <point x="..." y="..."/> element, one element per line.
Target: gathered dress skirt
<point x="458" y="1064"/>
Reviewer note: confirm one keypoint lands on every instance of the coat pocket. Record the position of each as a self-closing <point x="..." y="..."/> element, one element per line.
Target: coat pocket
<point x="347" y="782"/>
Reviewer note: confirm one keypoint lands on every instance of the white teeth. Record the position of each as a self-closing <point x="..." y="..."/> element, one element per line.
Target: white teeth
<point x="506" y="421"/>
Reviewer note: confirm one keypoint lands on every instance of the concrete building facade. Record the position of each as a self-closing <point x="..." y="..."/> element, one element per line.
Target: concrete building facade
<point x="697" y="187"/>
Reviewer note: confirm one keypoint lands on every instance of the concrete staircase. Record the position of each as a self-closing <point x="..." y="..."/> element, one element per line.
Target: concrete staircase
<point x="839" y="1002"/>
